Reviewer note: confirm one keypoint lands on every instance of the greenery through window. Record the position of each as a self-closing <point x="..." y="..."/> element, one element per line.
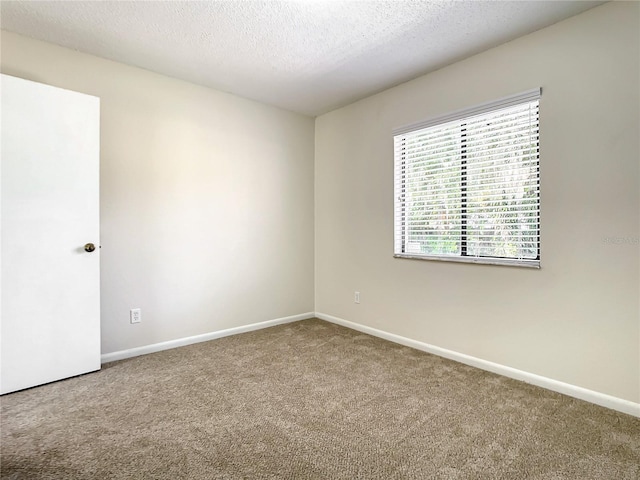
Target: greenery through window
<point x="468" y="188"/>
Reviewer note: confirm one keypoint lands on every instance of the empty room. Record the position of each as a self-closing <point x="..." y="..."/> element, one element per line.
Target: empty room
<point x="320" y="239"/>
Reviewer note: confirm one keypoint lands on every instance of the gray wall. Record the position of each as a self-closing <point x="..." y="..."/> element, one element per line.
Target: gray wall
<point x="206" y="199"/>
<point x="576" y="319"/>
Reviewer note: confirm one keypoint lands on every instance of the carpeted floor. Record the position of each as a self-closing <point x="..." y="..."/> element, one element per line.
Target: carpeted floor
<point x="308" y="400"/>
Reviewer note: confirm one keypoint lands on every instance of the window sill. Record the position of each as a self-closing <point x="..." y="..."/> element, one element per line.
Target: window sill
<point x="508" y="262"/>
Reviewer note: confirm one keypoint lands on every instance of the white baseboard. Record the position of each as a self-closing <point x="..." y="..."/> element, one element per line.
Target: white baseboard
<point x="181" y="342"/>
<point x="598" y="398"/>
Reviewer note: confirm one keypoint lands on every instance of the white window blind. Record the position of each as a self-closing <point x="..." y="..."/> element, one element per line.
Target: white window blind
<point x="467" y="185"/>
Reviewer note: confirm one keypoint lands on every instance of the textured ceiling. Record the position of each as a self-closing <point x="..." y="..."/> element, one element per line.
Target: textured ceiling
<point x="307" y="56"/>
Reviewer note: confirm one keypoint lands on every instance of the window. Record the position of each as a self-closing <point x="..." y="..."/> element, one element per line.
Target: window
<point x="467" y="185"/>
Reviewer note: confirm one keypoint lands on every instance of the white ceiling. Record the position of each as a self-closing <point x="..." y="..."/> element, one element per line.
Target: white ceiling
<point x="307" y="56"/>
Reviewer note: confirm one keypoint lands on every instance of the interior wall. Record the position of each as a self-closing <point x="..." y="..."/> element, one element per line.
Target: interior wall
<point x="206" y="199"/>
<point x="576" y="319"/>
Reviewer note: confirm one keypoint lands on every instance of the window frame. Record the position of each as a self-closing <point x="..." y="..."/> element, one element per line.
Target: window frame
<point x="400" y="177"/>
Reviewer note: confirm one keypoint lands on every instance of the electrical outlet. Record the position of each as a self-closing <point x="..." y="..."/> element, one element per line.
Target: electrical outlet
<point x="356" y="297"/>
<point x="135" y="315"/>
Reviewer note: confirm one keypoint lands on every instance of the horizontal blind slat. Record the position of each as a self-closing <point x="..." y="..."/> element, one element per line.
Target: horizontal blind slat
<point x="529" y="96"/>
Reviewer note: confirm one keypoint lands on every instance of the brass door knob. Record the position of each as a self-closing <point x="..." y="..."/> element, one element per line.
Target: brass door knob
<point x="89" y="247"/>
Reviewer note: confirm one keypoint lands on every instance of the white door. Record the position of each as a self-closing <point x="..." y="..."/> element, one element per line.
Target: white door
<point x="49" y="191"/>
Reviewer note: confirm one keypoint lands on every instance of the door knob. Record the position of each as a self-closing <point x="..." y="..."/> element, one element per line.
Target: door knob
<point x="89" y="247"/>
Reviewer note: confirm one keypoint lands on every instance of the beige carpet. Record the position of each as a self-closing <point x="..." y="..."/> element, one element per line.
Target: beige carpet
<point x="308" y="400"/>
